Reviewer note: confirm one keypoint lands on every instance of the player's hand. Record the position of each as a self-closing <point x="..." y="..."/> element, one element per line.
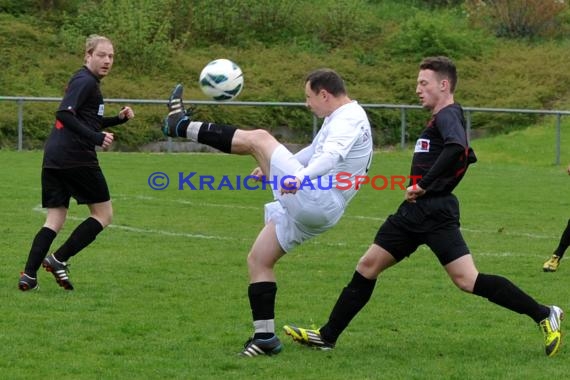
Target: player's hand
<point x="290" y="185"/>
<point x="108" y="140"/>
<point x="414" y="192"/>
<point x="126" y="112"/>
<point x="258" y="174"/>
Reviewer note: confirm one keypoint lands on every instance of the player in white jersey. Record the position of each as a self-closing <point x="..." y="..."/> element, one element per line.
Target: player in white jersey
<point x="307" y="201"/>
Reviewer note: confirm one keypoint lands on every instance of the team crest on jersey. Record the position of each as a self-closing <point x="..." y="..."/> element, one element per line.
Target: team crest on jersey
<point x="422" y="146"/>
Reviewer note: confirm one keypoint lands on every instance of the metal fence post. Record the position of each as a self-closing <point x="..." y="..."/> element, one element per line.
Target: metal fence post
<point x="557" y="160"/>
<point x="315" y="125"/>
<point x="403" y="128"/>
<point x="20" y="123"/>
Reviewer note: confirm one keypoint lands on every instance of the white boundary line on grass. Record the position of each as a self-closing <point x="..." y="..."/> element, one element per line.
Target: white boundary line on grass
<point x="359" y="217"/>
<point x="147" y="231"/>
<point x="185" y="202"/>
<point x="38" y="208"/>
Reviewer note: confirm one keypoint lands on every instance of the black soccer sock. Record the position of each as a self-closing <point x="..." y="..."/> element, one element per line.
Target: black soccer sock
<point x="262" y="302"/>
<point x="564" y="242"/>
<point x="181" y="127"/>
<point x="351" y="300"/>
<point x="39" y="250"/>
<point x="504" y="293"/>
<point x="83" y="235"/>
<point x="217" y="136"/>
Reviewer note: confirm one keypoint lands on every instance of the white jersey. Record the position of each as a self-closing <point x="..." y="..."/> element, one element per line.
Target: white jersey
<point x="342" y="146"/>
<point x="341" y="149"/>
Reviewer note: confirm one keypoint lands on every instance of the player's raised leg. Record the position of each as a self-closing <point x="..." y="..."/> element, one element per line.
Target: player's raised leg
<point x="226" y="138"/>
<point x="176" y="114"/>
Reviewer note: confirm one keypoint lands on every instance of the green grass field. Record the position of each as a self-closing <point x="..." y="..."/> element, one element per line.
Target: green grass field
<point x="162" y="293"/>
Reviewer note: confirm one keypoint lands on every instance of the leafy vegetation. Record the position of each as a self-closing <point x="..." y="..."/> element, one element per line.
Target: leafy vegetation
<point x="376" y="46"/>
<point x="519" y="18"/>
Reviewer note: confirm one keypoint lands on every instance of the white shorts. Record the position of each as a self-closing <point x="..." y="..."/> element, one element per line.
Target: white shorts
<point x="305" y="214"/>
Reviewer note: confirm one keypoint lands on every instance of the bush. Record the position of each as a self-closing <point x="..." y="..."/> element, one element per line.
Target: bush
<point x="517" y="18"/>
<point x="376" y="45"/>
<point x="443" y="3"/>
<point x="237" y="22"/>
<point x="424" y="35"/>
<point x="15" y="7"/>
<point x="138" y="29"/>
<point x="243" y="22"/>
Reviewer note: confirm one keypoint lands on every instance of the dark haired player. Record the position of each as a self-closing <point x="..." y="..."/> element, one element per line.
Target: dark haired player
<point x="430" y="215"/>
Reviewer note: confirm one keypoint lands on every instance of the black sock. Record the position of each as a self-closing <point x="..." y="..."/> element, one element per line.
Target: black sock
<point x="217" y="136"/>
<point x="262" y="302"/>
<point x="564" y="241"/>
<point x="182" y="126"/>
<point x="39" y="250"/>
<point x="352" y="299"/>
<point x="83" y="235"/>
<point x="504" y="293"/>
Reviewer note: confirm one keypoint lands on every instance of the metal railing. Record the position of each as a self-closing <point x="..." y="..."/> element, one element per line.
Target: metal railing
<point x="20" y="100"/>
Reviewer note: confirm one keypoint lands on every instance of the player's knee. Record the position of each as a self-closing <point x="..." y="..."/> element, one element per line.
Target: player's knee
<point x="260" y="136"/>
<point x="368" y="267"/>
<point x="56" y="218"/>
<point x="260" y="262"/>
<point x="464" y="283"/>
<point x="255" y="266"/>
<point x="55" y="226"/>
<point x="105" y="218"/>
<point x="374" y="261"/>
<point x="252" y="261"/>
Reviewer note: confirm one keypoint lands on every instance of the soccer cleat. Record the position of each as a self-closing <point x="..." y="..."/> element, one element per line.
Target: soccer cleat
<point x="256" y="347"/>
<point x="176" y="114"/>
<point x="311" y="338"/>
<point x="59" y="270"/>
<point x="27" y="282"/>
<point x="552" y="264"/>
<point x="552" y="330"/>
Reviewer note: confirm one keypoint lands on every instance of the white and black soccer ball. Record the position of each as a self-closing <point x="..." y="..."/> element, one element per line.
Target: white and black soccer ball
<point x="221" y="79"/>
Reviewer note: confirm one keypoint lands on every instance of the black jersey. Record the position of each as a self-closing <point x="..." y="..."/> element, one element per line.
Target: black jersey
<point x="68" y="147"/>
<point x="445" y="127"/>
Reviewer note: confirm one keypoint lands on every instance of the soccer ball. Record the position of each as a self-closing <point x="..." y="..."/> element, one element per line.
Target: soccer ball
<point x="221" y="79"/>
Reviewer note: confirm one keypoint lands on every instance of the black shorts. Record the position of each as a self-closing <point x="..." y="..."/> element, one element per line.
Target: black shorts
<point x="86" y="184"/>
<point x="433" y="221"/>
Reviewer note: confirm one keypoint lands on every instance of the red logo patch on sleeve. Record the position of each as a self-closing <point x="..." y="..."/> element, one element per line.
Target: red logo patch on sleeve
<point x="58" y="124"/>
